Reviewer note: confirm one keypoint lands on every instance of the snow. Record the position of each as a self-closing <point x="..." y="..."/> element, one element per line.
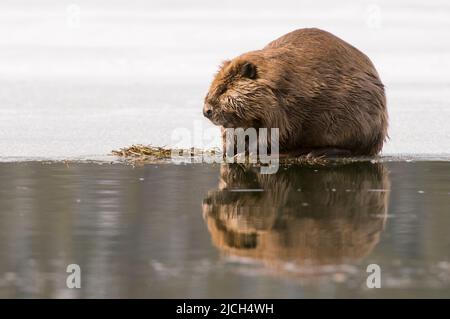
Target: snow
<point x="78" y="80"/>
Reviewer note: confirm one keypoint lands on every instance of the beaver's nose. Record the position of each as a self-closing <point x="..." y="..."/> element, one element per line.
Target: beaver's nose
<point x="207" y="111"/>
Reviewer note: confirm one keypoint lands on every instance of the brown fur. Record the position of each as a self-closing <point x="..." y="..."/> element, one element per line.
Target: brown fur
<point x="320" y="92"/>
<point x="276" y="227"/>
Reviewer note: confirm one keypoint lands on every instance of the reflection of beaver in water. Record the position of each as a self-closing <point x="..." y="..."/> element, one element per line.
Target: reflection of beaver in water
<point x="324" y="95"/>
<point x="323" y="216"/>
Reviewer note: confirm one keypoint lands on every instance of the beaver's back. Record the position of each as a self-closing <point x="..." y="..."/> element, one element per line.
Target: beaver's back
<point x="335" y="90"/>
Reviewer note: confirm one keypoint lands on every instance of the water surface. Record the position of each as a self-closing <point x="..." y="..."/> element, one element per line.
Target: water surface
<point x="225" y="231"/>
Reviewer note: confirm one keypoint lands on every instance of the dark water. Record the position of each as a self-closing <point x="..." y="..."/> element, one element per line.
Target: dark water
<point x="210" y="231"/>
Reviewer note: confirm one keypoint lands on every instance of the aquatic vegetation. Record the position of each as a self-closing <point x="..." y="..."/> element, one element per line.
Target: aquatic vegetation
<point x="139" y="151"/>
<point x="143" y="154"/>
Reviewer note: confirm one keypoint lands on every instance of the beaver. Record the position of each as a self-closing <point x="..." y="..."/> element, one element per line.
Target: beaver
<point x="324" y="95"/>
<point x="299" y="216"/>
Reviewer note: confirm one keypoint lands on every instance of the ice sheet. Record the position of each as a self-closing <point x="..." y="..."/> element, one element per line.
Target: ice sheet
<point x="81" y="79"/>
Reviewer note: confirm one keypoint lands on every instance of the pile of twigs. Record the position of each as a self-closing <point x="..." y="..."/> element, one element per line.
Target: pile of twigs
<point x="151" y="154"/>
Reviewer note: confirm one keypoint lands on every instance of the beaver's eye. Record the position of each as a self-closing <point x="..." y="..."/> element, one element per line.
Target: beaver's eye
<point x="221" y="90"/>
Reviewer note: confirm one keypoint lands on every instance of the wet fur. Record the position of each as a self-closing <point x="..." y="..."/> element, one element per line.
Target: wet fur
<point x="321" y="92"/>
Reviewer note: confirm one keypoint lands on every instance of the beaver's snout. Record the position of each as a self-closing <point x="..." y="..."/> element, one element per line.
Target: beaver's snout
<point x="207" y="111"/>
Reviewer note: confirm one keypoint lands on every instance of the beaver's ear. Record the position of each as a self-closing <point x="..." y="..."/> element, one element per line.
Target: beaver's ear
<point x="248" y="70"/>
